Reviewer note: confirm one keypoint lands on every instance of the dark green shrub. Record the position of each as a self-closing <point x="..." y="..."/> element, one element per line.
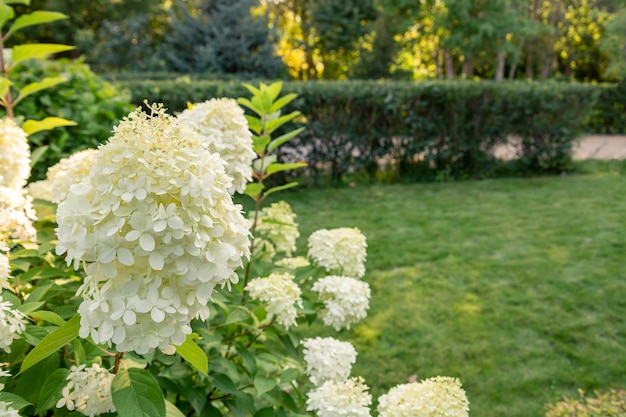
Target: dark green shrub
<point x="609" y="113"/>
<point x="85" y="98"/>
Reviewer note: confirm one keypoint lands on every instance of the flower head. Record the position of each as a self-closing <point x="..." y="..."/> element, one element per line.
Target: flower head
<point x="88" y="390"/>
<point x="16" y="214"/>
<point x="293" y="263"/>
<point x="339" y="251"/>
<point x="5" y="271"/>
<point x="433" y="397"/>
<point x="328" y="359"/>
<point x="277" y="224"/>
<point x="345" y="299"/>
<point x="346" y="398"/>
<point x="12" y="325"/>
<point x="158" y="230"/>
<point x="7" y="411"/>
<point x="224" y="130"/>
<point x="280" y="294"/>
<point x="14" y="155"/>
<point x="68" y="171"/>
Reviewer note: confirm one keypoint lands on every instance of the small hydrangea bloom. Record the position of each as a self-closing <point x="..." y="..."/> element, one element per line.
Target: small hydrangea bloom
<point x="281" y="295"/>
<point x="263" y="249"/>
<point x="88" y="390"/>
<point x="276" y="223"/>
<point x="339" y="251"/>
<point x="347" y="398"/>
<point x="40" y="189"/>
<point x="328" y="359"/>
<point x="69" y="171"/>
<point x="12" y="325"/>
<point x="293" y="263"/>
<point x="17" y="214"/>
<point x="224" y="130"/>
<point x="14" y="155"/>
<point x="158" y="230"/>
<point x="345" y="299"/>
<point x="5" y="271"/>
<point x="7" y="411"/>
<point x="433" y="397"/>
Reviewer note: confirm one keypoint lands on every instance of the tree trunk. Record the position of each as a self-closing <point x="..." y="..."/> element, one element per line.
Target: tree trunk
<point x="468" y="68"/>
<point x="518" y="53"/>
<point x="500" y="67"/>
<point x="449" y="61"/>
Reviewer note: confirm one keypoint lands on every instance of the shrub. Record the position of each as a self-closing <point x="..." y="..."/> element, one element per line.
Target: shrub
<point x="605" y="404"/>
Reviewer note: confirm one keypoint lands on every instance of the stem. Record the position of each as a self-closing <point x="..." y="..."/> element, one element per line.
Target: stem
<point x="257" y="209"/>
<point x="118" y="360"/>
<point x="3" y="71"/>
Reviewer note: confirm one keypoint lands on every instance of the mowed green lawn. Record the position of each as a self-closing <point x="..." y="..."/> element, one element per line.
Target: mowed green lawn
<point x="515" y="286"/>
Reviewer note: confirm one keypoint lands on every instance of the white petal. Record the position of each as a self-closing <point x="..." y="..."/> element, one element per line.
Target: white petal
<point x="156" y="261"/>
<point x="146" y="241"/>
<point x="125" y="256"/>
<point x="130" y="317"/>
<point x="157" y="315"/>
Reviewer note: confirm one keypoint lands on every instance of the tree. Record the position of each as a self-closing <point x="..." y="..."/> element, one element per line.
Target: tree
<point x="613" y="44"/>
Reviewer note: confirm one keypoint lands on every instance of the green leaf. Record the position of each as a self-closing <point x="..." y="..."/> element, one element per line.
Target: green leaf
<point x="260" y="142"/>
<point x="34" y="18"/>
<point x="272" y="125"/>
<point x="254" y="123"/>
<point x="273" y="91"/>
<point x="37" y="154"/>
<point x="281" y="188"/>
<point x="273" y="168"/>
<point x="252" y="89"/>
<point x="254" y="189"/>
<point x="225" y="384"/>
<point x="284" y="138"/>
<point x="289" y="375"/>
<point x="16" y="401"/>
<point x="248" y="359"/>
<point x="49" y="316"/>
<point x="237" y="315"/>
<point x="265" y="412"/>
<point x="136" y="393"/>
<point x="38" y="86"/>
<point x="6" y="13"/>
<point x="172" y="411"/>
<point x="263" y="384"/>
<point x="194" y="354"/>
<point x="51" y="391"/>
<point x="282" y="102"/>
<point x="52" y="342"/>
<point x="42" y="272"/>
<point x="247" y="103"/>
<point x="24" y="2"/>
<point x="36" y="50"/>
<point x="29" y="307"/>
<point x="34" y="126"/>
<point x="80" y="356"/>
<point x="5" y="84"/>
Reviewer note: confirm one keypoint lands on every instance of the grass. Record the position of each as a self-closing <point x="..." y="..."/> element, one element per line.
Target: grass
<point x="515" y="286"/>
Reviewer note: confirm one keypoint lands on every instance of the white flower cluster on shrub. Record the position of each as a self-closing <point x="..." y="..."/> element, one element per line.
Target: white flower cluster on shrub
<point x="346" y="300"/>
<point x="88" y="390"/>
<point x="340" y="251"/>
<point x="293" y="263"/>
<point x="328" y="359"/>
<point x="224" y="130"/>
<point x="68" y="171"/>
<point x="158" y="230"/>
<point x="433" y="397"/>
<point x="343" y="398"/>
<point x="280" y="294"/>
<point x="14" y="155"/>
<point x="277" y="225"/>
<point x="12" y="325"/>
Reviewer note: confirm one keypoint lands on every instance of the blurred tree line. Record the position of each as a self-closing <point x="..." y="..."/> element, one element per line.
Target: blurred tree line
<point x="337" y="39"/>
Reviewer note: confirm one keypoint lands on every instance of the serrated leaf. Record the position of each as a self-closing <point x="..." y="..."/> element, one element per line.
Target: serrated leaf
<point x="136" y="393"/>
<point x="34" y="126"/>
<point x="273" y="168"/>
<point x="52" y="342"/>
<point x="281" y="188"/>
<point x="284" y="138"/>
<point x="254" y="189"/>
<point x="194" y="354"/>
<point x="263" y="384"/>
<point x="282" y="102"/>
<point x="36" y="50"/>
<point x="49" y="316"/>
<point x="32" y="88"/>
<point x="172" y="411"/>
<point x="16" y="401"/>
<point x="51" y="391"/>
<point x="35" y="18"/>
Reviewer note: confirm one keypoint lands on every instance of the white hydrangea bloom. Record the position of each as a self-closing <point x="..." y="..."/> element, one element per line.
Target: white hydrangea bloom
<point x="328" y="359"/>
<point x="7" y="411"/>
<point x="345" y="299"/>
<point x="263" y="249"/>
<point x="158" y="230"/>
<point x="433" y="397"/>
<point x="5" y="271"/>
<point x="281" y="295"/>
<point x="293" y="263"/>
<point x="276" y="223"/>
<point x="40" y="189"/>
<point x="339" y="251"/>
<point x="14" y="155"/>
<point x="88" y="390"/>
<point x="12" y="325"/>
<point x="347" y="398"/>
<point x="224" y="130"/>
<point x="69" y="171"/>
<point x="17" y="214"/>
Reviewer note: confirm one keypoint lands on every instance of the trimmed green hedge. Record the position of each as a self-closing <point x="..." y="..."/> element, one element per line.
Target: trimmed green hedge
<point x="430" y="130"/>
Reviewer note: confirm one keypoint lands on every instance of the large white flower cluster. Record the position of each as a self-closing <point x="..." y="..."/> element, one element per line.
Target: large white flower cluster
<point x="12" y="325"/>
<point x="328" y="359"/>
<point x="158" y="230"/>
<point x="88" y="390"/>
<point x="346" y="398"/>
<point x="340" y="251"/>
<point x="345" y="299"/>
<point x="293" y="263"/>
<point x="281" y="295"/>
<point x="14" y="155"/>
<point x="68" y="171"/>
<point x="7" y="411"/>
<point x="16" y="214"/>
<point x="433" y="397"/>
<point x="277" y="225"/>
<point x="224" y="129"/>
